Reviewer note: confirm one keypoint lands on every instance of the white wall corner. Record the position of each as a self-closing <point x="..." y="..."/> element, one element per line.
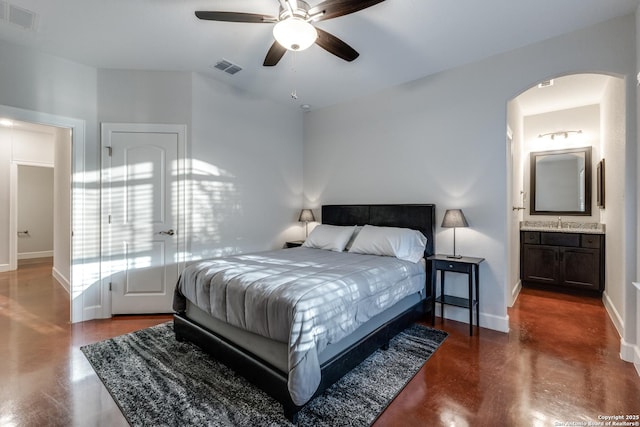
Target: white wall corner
<point x="630" y="353"/>
<point x="64" y="282"/>
<point x="614" y="315"/>
<point x="515" y="293"/>
<point x="489" y="321"/>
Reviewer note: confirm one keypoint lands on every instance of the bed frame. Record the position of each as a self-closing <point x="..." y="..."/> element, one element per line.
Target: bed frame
<point x="272" y="380"/>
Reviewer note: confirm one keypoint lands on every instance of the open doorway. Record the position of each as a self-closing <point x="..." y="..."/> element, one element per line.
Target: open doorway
<point x="37" y="160"/>
<point x="580" y="110"/>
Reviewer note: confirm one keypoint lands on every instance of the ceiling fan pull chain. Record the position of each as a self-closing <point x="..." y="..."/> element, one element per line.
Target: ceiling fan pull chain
<point x="294" y="94"/>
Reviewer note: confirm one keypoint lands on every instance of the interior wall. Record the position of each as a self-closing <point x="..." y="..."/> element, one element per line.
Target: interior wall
<point x="440" y="139"/>
<point x="35" y="211"/>
<point x="62" y="207"/>
<point x="47" y="89"/>
<point x="585" y="118"/>
<point x="246" y="171"/>
<point x="613" y="151"/>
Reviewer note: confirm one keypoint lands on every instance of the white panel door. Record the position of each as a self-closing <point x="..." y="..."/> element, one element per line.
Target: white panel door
<point x="144" y="205"/>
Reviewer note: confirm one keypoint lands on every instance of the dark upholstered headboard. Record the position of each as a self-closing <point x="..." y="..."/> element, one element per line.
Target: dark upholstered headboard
<point x="416" y="217"/>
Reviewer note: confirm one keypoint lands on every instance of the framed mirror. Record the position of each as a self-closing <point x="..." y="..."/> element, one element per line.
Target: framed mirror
<point x="561" y="182"/>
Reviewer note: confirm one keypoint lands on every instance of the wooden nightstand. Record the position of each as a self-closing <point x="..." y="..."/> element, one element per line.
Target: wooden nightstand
<point x="466" y="265"/>
<point x="294" y="243"/>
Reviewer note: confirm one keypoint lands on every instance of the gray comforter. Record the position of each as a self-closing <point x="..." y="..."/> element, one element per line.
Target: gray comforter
<point x="305" y="297"/>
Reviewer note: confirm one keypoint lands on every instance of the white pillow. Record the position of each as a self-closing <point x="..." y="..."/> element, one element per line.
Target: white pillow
<point x="356" y="231"/>
<point x="331" y="237"/>
<point x="402" y="243"/>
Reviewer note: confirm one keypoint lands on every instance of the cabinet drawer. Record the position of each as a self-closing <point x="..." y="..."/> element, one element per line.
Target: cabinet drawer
<point x="591" y="241"/>
<point x="532" y="237"/>
<point x="452" y="266"/>
<point x="560" y="239"/>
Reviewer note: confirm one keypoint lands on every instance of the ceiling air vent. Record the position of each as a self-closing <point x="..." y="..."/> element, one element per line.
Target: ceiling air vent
<point x="227" y="66"/>
<point x="545" y="83"/>
<point x="23" y="18"/>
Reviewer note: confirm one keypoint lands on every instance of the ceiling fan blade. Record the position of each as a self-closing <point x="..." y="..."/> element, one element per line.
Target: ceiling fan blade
<point x="275" y="53"/>
<point x="334" y="45"/>
<point x="236" y="17"/>
<point x="335" y="8"/>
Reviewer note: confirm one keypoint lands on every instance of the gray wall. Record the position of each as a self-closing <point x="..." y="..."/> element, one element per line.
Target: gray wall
<point x="441" y="139"/>
<point x="35" y="211"/>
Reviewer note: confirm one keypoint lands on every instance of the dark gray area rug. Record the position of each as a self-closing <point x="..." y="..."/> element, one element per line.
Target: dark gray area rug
<point x="158" y="381"/>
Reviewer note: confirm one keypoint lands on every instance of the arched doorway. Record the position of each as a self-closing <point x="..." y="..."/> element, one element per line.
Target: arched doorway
<point x="579" y="110"/>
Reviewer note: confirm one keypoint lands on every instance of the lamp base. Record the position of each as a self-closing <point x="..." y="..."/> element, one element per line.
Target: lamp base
<point x="454" y="256"/>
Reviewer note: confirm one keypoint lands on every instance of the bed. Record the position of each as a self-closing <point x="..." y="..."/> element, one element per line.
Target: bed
<point x="293" y="375"/>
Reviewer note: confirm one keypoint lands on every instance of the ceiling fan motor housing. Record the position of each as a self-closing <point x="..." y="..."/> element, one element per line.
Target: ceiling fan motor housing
<point x="302" y="11"/>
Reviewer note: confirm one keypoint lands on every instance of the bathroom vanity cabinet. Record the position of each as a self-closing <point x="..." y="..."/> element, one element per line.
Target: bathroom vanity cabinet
<point x="564" y="260"/>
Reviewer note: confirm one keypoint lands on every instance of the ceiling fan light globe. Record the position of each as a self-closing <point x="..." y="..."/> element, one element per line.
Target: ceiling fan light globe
<point x="295" y="34"/>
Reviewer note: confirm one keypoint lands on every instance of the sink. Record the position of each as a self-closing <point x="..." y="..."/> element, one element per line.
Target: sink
<point x="566" y="226"/>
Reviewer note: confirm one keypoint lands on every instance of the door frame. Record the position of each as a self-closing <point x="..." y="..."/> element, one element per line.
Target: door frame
<point x="78" y="277"/>
<point x="105" y="190"/>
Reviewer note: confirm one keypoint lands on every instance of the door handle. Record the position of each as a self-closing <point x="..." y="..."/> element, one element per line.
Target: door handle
<point x="168" y="232"/>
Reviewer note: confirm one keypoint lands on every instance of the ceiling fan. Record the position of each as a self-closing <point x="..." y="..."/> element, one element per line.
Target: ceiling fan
<point x="293" y="29"/>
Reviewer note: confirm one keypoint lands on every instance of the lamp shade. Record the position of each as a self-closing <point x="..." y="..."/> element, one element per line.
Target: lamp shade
<point x="454" y="218"/>
<point x="295" y="33"/>
<point x="306" y="215"/>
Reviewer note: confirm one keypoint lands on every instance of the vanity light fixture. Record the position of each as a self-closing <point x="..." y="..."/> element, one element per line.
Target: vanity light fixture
<point x="557" y="134"/>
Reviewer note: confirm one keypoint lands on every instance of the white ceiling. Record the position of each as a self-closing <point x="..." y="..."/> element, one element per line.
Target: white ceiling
<point x="398" y="40"/>
<point x="566" y="92"/>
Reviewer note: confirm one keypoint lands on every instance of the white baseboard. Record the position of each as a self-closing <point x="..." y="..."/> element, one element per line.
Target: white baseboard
<point x="515" y="292"/>
<point x="630" y="353"/>
<point x="4" y="267"/>
<point x="64" y="282"/>
<point x="489" y="321"/>
<point x="31" y="255"/>
<point x="627" y="351"/>
<point x="614" y="315"/>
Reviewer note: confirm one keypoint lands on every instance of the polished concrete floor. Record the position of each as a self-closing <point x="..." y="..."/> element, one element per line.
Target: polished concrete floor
<point x="559" y="364"/>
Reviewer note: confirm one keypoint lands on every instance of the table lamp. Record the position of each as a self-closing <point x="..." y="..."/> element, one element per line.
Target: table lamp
<point x="454" y="218"/>
<point x="306" y="216"/>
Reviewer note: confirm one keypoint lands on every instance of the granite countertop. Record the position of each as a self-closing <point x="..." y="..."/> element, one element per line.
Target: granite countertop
<point x="566" y="227"/>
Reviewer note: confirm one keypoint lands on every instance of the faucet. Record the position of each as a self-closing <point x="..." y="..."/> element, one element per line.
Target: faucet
<point x="559" y="222"/>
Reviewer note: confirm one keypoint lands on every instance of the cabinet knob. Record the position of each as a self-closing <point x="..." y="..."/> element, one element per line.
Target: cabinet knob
<point x="450" y="265"/>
